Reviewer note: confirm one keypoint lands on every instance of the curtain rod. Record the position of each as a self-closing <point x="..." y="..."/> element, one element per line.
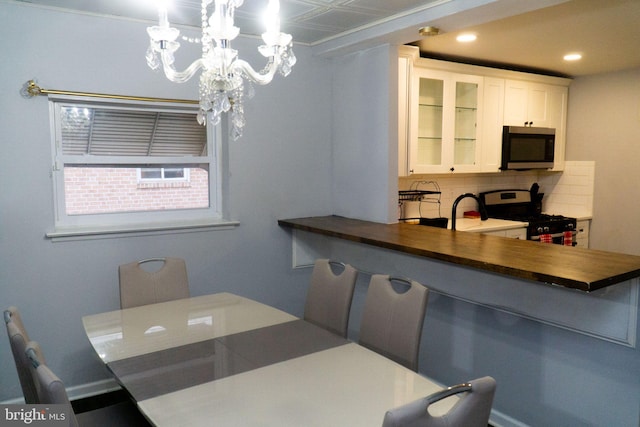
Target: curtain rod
<point x="31" y="89"/>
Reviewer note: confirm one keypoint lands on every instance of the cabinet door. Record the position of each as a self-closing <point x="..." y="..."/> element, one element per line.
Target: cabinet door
<point x="428" y="128"/>
<point x="582" y="239"/>
<point x="516" y="103"/>
<point x="492" y="119"/>
<point x="531" y="103"/>
<point x="516" y="233"/>
<point x="467" y="121"/>
<point x="527" y="102"/>
<point x="538" y="113"/>
<point x="445" y="134"/>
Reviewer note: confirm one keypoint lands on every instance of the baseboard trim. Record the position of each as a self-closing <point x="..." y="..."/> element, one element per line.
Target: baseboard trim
<point x="498" y="419"/>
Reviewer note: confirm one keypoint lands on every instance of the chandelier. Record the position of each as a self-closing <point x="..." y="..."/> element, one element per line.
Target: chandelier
<point x="226" y="80"/>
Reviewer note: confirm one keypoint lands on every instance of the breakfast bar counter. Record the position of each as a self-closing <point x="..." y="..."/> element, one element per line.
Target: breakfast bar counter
<point x="571" y="267"/>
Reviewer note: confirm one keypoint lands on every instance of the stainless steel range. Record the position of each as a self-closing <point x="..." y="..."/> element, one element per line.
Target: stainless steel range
<point x="526" y="206"/>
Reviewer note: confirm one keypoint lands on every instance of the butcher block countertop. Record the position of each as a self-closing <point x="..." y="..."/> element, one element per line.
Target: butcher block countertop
<point x="578" y="268"/>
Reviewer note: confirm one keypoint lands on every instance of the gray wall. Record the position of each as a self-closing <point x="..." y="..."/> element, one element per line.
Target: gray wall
<point x="604" y="126"/>
<point x="279" y="169"/>
<point x="365" y="131"/>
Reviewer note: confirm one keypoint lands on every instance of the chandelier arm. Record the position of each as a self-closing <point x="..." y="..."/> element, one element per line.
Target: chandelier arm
<point x="263" y="77"/>
<point x="179" y="76"/>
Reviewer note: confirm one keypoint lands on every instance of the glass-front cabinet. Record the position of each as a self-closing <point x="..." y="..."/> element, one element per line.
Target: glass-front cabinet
<point x="444" y="134"/>
<point x="428" y="149"/>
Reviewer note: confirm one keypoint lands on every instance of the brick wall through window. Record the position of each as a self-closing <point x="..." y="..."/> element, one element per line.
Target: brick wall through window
<point x="106" y="190"/>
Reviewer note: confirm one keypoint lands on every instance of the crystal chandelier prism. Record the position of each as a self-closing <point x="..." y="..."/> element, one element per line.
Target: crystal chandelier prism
<point x="226" y="80"/>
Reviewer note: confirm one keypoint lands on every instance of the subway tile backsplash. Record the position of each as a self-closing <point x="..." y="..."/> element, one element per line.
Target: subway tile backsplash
<point x="568" y="193"/>
<point x="571" y="192"/>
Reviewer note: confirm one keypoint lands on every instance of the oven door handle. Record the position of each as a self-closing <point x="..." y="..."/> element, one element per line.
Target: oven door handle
<point x="573" y="233"/>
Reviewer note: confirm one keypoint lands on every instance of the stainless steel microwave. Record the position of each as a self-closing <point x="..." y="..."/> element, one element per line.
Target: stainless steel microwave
<point x="527" y="147"/>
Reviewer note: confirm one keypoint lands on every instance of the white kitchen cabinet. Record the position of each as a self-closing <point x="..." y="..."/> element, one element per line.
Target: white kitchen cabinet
<point x="525" y="104"/>
<point x="557" y="111"/>
<point x="492" y="119"/>
<point x="517" y="233"/>
<point x="445" y="132"/>
<point x="540" y="105"/>
<point x="582" y="238"/>
<point x="450" y="115"/>
<point x="514" y="233"/>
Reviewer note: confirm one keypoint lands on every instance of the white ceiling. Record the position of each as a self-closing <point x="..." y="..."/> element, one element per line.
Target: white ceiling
<point x="605" y="32"/>
<point x="513" y="32"/>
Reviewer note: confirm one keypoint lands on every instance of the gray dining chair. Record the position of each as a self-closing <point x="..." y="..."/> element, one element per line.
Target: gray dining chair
<point x="329" y="297"/>
<point x="142" y="286"/>
<point x="392" y="321"/>
<point x="18" y="339"/>
<point x="51" y="391"/>
<point x="473" y="409"/>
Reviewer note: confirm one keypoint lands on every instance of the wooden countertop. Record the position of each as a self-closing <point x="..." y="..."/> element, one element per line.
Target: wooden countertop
<point x="571" y="267"/>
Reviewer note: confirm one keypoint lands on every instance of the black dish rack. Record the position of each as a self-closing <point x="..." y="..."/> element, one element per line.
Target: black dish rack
<point x="415" y="194"/>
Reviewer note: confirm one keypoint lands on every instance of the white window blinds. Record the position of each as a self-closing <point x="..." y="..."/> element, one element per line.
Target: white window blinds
<point x="109" y="132"/>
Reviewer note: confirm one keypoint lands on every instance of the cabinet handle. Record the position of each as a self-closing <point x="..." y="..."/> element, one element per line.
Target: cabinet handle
<point x="452" y="169"/>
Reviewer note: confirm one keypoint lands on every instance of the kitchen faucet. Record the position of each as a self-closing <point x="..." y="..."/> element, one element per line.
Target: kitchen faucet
<point x="483" y="210"/>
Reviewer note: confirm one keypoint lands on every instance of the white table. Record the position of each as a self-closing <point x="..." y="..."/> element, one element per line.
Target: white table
<point x="224" y="360"/>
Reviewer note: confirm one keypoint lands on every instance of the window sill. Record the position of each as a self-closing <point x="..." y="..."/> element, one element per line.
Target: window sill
<point x="116" y="231"/>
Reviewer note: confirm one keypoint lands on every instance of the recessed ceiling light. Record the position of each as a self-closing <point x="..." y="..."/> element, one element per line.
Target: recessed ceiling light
<point x="466" y="37"/>
<point x="572" y="57"/>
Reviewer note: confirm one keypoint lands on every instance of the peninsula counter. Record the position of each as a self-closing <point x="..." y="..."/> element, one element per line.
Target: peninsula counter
<point x="576" y="268"/>
<point x="587" y="291"/>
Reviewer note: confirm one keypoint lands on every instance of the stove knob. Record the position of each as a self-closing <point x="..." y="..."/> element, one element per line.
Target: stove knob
<point x="546" y="229"/>
<point x="569" y="226"/>
<point x="539" y="230"/>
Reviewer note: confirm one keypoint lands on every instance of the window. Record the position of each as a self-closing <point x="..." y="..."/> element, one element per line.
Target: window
<point x="163" y="174"/>
<point x="132" y="163"/>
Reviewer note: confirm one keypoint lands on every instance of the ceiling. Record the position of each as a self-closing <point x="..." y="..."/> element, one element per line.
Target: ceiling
<point x="605" y="32"/>
<point x="510" y="32"/>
